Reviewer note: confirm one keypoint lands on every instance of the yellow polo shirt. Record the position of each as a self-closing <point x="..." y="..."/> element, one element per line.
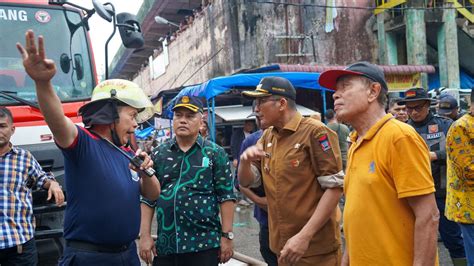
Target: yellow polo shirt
<point x="390" y="163"/>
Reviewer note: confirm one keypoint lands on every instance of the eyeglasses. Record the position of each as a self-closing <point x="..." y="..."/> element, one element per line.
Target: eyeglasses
<point x="417" y="108"/>
<point x="260" y="101"/>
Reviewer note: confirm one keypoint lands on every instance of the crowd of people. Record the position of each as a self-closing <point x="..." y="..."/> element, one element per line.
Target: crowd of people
<point x="404" y="175"/>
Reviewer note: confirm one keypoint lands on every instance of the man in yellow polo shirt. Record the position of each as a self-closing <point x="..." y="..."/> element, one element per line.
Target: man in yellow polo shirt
<point x="390" y="216"/>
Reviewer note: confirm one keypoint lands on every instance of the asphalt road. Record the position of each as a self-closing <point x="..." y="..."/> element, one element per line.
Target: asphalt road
<point x="246" y="236"/>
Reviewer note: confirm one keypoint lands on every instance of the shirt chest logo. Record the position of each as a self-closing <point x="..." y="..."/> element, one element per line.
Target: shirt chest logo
<point x="433" y="129"/>
<point x="295" y="163"/>
<point x="205" y="162"/>
<point x="135" y="176"/>
<point x="372" y="167"/>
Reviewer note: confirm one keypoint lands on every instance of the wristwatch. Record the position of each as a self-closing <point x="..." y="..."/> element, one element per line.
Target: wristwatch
<point x="228" y="235"/>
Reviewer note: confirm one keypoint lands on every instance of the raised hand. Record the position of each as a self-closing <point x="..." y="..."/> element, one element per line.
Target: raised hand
<point x="253" y="153"/>
<point x="38" y="67"/>
<point x="147" y="163"/>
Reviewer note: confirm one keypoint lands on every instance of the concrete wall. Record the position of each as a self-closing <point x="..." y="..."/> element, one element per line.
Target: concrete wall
<point x="242" y="34"/>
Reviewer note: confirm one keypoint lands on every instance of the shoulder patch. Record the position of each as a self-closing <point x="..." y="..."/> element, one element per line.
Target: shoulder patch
<point x="324" y="142"/>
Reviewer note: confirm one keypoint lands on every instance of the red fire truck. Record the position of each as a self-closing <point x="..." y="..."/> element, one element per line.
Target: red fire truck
<point x="65" y="29"/>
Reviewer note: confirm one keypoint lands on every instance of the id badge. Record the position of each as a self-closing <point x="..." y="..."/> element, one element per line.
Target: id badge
<point x="205" y="162"/>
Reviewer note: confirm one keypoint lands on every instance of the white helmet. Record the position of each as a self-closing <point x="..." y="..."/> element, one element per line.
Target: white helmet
<point x="124" y="91"/>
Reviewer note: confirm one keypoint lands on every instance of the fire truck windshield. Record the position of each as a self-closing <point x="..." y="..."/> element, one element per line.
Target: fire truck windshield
<point x="74" y="77"/>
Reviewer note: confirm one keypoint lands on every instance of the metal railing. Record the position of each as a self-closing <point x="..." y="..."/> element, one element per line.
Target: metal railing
<point x="385" y="5"/>
<point x="464" y="7"/>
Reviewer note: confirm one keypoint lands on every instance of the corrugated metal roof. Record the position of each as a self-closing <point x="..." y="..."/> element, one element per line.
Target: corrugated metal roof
<point x="389" y="70"/>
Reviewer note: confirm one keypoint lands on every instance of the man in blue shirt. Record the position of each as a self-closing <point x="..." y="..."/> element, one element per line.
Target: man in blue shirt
<point x="197" y="181"/>
<point x="102" y="218"/>
<point x="238" y="135"/>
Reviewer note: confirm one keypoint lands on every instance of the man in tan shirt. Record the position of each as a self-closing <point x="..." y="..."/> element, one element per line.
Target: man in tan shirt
<point x="300" y="163"/>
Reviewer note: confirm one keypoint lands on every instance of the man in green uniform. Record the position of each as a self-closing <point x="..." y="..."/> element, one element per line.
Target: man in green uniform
<point x="196" y="181"/>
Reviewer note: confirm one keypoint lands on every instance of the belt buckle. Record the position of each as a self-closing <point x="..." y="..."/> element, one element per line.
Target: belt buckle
<point x="19" y="249"/>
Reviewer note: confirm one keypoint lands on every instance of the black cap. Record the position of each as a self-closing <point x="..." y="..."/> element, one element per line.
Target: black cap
<point x="415" y="94"/>
<point x="273" y="86"/>
<point x="447" y="104"/>
<point x="328" y="79"/>
<point x="190" y="102"/>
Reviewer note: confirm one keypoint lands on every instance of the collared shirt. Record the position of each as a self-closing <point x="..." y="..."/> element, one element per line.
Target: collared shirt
<point x="19" y="174"/>
<point x="193" y="184"/>
<point x="302" y="159"/>
<point x="433" y="129"/>
<point x="260" y="214"/>
<point x="103" y="193"/>
<point x="460" y="153"/>
<point x="385" y="166"/>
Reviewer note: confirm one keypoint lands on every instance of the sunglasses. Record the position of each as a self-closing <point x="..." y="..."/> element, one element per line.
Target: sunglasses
<point x="417" y="108"/>
<point x="260" y="101"/>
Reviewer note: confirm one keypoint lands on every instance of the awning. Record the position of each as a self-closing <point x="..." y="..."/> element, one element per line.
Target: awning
<point x="233" y="113"/>
<point x="219" y="85"/>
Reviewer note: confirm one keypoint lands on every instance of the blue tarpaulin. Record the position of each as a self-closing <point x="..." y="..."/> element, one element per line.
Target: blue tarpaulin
<point x="465" y="80"/>
<point x="144" y="133"/>
<point x="219" y="85"/>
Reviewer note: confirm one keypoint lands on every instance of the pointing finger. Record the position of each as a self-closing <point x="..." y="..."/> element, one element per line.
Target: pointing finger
<point x="30" y="42"/>
<point x="27" y="39"/>
<point x="41" y="51"/>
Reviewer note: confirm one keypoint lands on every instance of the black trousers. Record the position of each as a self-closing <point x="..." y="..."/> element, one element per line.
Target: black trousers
<point x="268" y="256"/>
<point x="208" y="257"/>
<point x="28" y="256"/>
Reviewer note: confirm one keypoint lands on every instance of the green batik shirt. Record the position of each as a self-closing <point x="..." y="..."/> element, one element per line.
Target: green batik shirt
<point x="193" y="184"/>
